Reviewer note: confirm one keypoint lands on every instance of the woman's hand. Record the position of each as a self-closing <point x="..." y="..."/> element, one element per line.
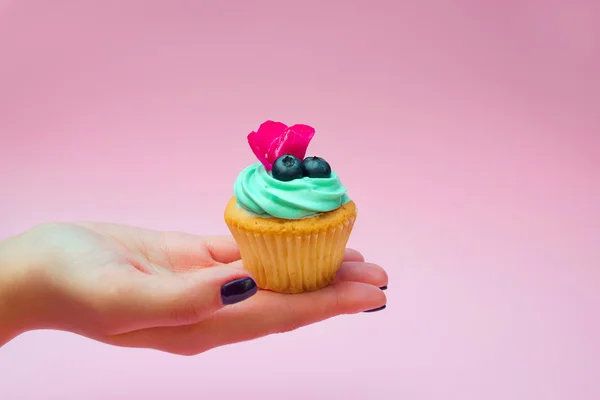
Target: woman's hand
<point x="169" y="291"/>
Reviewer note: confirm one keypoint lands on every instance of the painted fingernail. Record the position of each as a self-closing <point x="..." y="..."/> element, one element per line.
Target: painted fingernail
<point x="383" y="287"/>
<point x="376" y="309"/>
<point x="238" y="290"/>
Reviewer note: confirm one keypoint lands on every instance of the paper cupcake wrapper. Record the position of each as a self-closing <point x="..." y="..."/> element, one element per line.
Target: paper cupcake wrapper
<point x="288" y="263"/>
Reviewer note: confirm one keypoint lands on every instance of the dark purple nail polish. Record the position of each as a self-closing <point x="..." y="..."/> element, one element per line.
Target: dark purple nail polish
<point x="383" y="287"/>
<point x="238" y="290"/>
<point x="376" y="309"/>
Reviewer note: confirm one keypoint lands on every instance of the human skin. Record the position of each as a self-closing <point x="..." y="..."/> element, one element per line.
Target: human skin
<point x="168" y="291"/>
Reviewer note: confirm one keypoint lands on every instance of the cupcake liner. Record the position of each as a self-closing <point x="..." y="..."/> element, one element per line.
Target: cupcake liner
<point x="289" y="262"/>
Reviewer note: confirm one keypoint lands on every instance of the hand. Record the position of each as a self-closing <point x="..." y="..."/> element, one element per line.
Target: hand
<point x="163" y="290"/>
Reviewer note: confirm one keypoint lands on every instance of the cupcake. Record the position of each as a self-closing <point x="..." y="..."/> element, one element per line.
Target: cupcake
<point x="290" y="215"/>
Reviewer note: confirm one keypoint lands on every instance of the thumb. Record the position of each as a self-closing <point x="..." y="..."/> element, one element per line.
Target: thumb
<point x="186" y="298"/>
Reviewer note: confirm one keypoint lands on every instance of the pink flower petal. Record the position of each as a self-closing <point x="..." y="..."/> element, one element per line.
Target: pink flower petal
<point x="294" y="141"/>
<point x="304" y="130"/>
<point x="261" y="141"/>
<point x="274" y="139"/>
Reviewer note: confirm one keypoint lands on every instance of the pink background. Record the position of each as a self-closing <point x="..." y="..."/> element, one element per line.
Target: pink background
<point x="468" y="133"/>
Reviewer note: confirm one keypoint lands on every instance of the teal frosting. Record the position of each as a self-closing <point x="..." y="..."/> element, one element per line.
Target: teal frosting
<point x="258" y="192"/>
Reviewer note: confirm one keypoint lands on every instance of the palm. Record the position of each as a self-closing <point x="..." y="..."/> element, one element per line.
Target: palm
<point x="132" y="272"/>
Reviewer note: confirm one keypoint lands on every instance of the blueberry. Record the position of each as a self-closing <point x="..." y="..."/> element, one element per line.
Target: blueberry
<point x="287" y="168"/>
<point x="316" y="167"/>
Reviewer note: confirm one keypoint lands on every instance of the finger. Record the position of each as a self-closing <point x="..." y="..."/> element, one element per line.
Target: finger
<point x="264" y="314"/>
<point x="362" y="272"/>
<point x="171" y="300"/>
<point x="223" y="249"/>
<point x="176" y="251"/>
<point x="187" y="251"/>
<point x="353" y="255"/>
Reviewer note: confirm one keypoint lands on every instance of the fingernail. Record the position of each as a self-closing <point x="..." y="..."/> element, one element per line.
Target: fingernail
<point x="238" y="290"/>
<point x="376" y="309"/>
<point x="383" y="288"/>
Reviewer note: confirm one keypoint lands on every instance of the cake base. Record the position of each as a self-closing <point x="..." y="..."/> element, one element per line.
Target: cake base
<point x="292" y="256"/>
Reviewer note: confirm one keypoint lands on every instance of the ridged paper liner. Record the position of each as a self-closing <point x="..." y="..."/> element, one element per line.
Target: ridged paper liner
<point x="288" y="263"/>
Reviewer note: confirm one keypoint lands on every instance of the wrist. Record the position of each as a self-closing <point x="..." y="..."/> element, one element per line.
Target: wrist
<point x="16" y="268"/>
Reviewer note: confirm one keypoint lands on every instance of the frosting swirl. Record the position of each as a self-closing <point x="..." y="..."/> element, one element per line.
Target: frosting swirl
<point x="257" y="191"/>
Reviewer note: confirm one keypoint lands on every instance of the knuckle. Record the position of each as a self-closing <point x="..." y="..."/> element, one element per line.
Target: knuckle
<point x="185" y="314"/>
